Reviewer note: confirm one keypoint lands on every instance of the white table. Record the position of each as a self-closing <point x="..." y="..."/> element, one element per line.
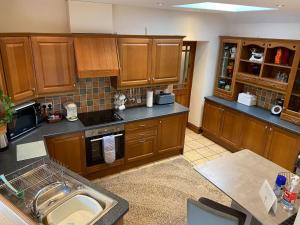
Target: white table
<point x="240" y="176"/>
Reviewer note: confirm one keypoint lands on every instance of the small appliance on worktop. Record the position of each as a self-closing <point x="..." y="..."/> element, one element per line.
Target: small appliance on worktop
<point x="95" y="138"/>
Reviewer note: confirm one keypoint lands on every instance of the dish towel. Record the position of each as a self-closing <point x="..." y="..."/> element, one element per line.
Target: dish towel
<point x="109" y="149"/>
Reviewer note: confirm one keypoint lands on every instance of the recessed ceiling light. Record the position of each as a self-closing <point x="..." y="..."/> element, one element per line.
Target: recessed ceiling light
<point x="224" y="7"/>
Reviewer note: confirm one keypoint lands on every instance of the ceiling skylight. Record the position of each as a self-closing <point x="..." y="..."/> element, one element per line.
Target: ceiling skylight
<point x="224" y="7"/>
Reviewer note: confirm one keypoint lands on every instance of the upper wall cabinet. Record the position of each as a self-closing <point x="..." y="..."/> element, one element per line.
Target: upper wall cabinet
<point x="54" y="64"/>
<point x="166" y="56"/>
<point x="135" y="61"/>
<point x="18" y="67"/>
<point x="96" y="56"/>
<point x="2" y="79"/>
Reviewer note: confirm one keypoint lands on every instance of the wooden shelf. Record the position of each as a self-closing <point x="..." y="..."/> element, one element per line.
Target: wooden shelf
<point x="248" y="61"/>
<point x="274" y="80"/>
<point x="278" y="65"/>
<point x="248" y="74"/>
<point x="296" y="94"/>
<point x="227" y="78"/>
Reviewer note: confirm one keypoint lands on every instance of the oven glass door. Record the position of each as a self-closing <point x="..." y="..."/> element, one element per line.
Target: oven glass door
<point x="94" y="150"/>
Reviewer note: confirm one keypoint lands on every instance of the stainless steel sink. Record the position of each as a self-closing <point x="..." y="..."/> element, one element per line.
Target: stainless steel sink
<point x="56" y="197"/>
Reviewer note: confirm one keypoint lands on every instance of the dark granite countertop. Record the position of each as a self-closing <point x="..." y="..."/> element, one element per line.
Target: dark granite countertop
<point x="258" y="113"/>
<point x="9" y="163"/>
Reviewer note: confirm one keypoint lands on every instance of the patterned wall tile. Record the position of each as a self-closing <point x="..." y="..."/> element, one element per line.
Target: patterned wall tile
<point x="265" y="98"/>
<point x="94" y="94"/>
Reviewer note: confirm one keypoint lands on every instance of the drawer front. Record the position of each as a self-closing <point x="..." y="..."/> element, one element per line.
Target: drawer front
<point x="141" y="125"/>
<point x="140" y="134"/>
<point x="140" y="149"/>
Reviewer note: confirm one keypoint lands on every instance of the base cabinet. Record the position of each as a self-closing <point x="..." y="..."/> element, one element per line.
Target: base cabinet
<point x="238" y="131"/>
<point x="254" y="135"/>
<point x="68" y="150"/>
<point x="141" y="148"/>
<point x="171" y="133"/>
<point x="283" y="148"/>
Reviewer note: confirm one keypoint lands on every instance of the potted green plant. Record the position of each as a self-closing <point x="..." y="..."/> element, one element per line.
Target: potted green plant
<point x="7" y="109"/>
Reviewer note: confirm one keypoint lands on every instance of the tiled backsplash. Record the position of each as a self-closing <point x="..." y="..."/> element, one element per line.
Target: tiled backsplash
<point x="93" y="94"/>
<point x="265" y="98"/>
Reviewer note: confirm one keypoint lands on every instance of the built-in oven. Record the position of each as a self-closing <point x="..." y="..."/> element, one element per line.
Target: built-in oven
<point x="94" y="143"/>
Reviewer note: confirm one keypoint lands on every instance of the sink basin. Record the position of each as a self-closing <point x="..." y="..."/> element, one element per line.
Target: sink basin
<point x="83" y="206"/>
<point x="80" y="209"/>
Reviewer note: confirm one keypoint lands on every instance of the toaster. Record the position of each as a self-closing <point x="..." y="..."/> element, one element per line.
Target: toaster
<point x="163" y="98"/>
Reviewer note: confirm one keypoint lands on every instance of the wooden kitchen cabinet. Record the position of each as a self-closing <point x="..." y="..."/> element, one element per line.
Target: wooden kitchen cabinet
<point x="231" y="127"/>
<point x="283" y="148"/>
<point x="254" y="135"/>
<point x="54" y="64"/>
<point x="18" y="68"/>
<point x="171" y="133"/>
<point x="96" y="56"/>
<point x="141" y="148"/>
<point x="135" y="61"/>
<point x="212" y="118"/>
<point x="2" y="79"/>
<point x="69" y="150"/>
<point x="166" y="56"/>
<point x="236" y="131"/>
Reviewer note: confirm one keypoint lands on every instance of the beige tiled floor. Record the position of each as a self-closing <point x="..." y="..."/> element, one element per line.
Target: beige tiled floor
<point x="198" y="149"/>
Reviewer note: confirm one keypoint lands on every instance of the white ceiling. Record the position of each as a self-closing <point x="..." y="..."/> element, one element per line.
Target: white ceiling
<point x="290" y="6"/>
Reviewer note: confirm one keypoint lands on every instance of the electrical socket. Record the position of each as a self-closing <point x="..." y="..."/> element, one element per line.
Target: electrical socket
<point x="46" y="104"/>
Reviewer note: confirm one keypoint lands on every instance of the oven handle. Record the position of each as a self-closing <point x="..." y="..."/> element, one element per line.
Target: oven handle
<point x="99" y="139"/>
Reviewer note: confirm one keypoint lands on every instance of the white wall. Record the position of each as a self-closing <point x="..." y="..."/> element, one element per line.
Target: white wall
<point x="84" y="14"/>
<point x="33" y="16"/>
<point x="52" y="16"/>
<point x="272" y="25"/>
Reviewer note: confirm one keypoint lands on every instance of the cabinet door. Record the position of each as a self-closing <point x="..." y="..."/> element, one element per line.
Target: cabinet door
<point x="96" y="57"/>
<point x="54" y="64"/>
<point x="171" y="132"/>
<point x="231" y="127"/>
<point x="254" y="135"/>
<point x="135" y="61"/>
<point x="18" y="67"/>
<point x="69" y="150"/>
<point x="283" y="148"/>
<point x="212" y="117"/>
<point x="166" y="57"/>
<point x="2" y="79"/>
<point x="138" y="149"/>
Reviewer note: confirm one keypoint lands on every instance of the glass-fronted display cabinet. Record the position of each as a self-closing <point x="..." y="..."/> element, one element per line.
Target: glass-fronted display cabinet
<point x="226" y="71"/>
<point x="291" y="110"/>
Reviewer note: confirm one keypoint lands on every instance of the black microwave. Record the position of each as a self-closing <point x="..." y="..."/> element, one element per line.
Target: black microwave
<point x="25" y="119"/>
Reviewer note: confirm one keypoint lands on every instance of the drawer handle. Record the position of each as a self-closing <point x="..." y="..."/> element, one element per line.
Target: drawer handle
<point x="141" y="141"/>
<point x="142" y="125"/>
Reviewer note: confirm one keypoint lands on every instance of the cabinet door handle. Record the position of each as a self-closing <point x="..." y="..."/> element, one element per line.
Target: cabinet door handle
<point x="271" y="129"/>
<point x="266" y="127"/>
<point x="74" y="85"/>
<point x="149" y="79"/>
<point x="33" y="89"/>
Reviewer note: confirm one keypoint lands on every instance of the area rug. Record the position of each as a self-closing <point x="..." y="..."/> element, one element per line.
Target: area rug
<point x="158" y="193"/>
